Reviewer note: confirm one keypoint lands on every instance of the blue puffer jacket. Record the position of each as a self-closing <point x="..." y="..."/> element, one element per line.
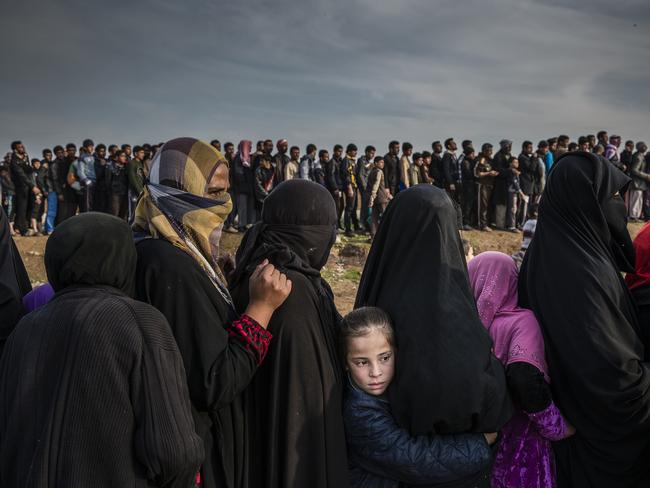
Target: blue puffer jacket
<point x="383" y="455"/>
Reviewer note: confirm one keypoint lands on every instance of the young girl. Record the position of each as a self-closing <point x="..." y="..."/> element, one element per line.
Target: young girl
<point x="524" y="457"/>
<point x="380" y="453"/>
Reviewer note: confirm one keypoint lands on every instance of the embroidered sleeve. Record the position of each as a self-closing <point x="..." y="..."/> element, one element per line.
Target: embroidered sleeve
<point x="550" y="423"/>
<point x="252" y="335"/>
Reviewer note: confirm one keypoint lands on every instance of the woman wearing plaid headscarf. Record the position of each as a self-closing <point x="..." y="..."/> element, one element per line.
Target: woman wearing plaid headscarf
<point x="178" y="225"/>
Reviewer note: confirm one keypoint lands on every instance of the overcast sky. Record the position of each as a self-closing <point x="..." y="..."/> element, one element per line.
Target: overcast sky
<point x="336" y="71"/>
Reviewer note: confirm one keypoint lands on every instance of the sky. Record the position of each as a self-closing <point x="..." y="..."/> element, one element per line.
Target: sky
<point x="337" y="71"/>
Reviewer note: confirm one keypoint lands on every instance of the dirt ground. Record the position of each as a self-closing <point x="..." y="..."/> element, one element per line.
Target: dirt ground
<point x="343" y="269"/>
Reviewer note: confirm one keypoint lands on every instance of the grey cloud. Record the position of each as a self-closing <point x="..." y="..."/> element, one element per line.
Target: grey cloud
<point x="321" y="71"/>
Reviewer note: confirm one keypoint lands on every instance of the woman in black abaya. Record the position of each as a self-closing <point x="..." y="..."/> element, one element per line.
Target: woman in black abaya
<point x="296" y="434"/>
<point x="571" y="278"/>
<point x="178" y="223"/>
<point x="446" y="378"/>
<point x="14" y="281"/>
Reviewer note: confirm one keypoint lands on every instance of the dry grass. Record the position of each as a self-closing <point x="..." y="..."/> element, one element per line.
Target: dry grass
<point x="343" y="272"/>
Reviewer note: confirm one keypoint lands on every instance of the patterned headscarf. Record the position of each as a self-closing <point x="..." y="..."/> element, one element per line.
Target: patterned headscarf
<point x="514" y="330"/>
<point x="173" y="207"/>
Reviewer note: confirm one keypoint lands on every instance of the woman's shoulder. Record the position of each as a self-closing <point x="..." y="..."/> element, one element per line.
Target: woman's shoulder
<point x="161" y="253"/>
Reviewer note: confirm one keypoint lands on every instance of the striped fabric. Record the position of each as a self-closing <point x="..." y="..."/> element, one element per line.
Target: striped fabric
<point x="173" y="207"/>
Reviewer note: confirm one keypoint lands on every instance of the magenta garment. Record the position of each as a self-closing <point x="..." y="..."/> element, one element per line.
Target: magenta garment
<point x="38" y="297"/>
<point x="524" y="458"/>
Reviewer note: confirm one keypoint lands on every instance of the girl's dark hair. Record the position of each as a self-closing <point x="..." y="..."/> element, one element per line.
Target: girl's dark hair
<point x="361" y="322"/>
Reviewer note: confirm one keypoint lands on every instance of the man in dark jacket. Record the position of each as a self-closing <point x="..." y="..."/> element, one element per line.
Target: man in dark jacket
<point x="391" y="167"/>
<point x="68" y="197"/>
<point x="333" y="181"/>
<point x="102" y="193"/>
<point x="528" y="167"/>
<point x="501" y="164"/>
<point x="435" y="169"/>
<point x="21" y="171"/>
<point x="467" y="161"/>
<point x="280" y="160"/>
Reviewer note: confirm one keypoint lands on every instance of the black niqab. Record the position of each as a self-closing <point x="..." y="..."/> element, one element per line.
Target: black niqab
<point x="571" y="279"/>
<point x="296" y="435"/>
<point x="14" y="281"/>
<point x="446" y="378"/>
<point x="89" y="249"/>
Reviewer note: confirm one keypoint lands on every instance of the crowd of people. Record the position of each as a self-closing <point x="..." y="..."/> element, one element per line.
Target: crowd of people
<point x="148" y="359"/>
<point x="489" y="189"/>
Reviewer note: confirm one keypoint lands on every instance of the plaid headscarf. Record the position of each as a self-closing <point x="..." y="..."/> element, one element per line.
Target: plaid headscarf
<point x="173" y="207"/>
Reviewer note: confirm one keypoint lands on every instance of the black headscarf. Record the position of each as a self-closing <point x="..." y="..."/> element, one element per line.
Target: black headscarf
<point x="14" y="281"/>
<point x="297" y="232"/>
<point x="294" y="407"/>
<point x="571" y="279"/>
<point x="91" y="249"/>
<point x="446" y="378"/>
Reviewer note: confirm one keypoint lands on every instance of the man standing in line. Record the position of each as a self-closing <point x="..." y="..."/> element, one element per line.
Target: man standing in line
<point x="484" y="175"/>
<point x="87" y="176"/>
<point x="501" y="164"/>
<point x="435" y="169"/>
<point x="640" y="179"/>
<point x="405" y="163"/>
<point x="307" y="165"/>
<point x="102" y="193"/>
<point x="21" y="171"/>
<point x="528" y="169"/>
<point x="135" y="171"/>
<point x="68" y="198"/>
<point x="127" y="150"/>
<point x="467" y="161"/>
<point x="364" y="165"/>
<point x="292" y="167"/>
<point x="280" y="160"/>
<point x="50" y="186"/>
<point x="349" y="186"/>
<point x="391" y="167"/>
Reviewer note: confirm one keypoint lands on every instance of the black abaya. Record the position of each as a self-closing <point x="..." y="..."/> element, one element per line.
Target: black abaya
<point x="218" y="369"/>
<point x="446" y="378"/>
<point x="296" y="434"/>
<point x="92" y="386"/>
<point x="571" y="279"/>
<point x="14" y="282"/>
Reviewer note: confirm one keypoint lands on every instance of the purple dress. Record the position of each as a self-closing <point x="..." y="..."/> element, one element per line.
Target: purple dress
<point x="524" y="457"/>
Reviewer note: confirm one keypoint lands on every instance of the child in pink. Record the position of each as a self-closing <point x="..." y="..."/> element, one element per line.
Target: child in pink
<point x="524" y="458"/>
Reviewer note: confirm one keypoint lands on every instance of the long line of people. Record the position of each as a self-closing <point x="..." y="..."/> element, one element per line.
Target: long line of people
<point x="490" y="190"/>
<point x="157" y="363"/>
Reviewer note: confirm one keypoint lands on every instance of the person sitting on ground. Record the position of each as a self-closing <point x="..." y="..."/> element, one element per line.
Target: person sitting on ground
<point x="381" y="453"/>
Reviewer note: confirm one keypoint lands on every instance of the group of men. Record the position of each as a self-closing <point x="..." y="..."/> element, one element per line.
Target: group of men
<point x="489" y="189"/>
<point x="37" y="194"/>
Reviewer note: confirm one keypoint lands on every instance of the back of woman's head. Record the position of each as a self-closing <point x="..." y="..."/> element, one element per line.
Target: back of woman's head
<point x="91" y="249"/>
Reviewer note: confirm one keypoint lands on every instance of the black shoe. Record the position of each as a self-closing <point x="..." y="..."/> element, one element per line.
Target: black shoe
<point x="349" y="233"/>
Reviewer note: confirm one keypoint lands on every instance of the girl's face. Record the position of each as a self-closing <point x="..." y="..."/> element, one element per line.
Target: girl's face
<point x="371" y="362"/>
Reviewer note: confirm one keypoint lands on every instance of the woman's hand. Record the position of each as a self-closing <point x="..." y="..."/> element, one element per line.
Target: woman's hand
<point x="570" y="430"/>
<point x="491" y="437"/>
<point x="268" y="289"/>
